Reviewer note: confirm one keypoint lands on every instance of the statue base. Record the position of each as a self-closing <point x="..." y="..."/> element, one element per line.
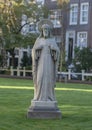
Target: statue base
<point x="44" y="110"/>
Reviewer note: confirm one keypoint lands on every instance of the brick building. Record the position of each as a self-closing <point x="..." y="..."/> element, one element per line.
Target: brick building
<point x="78" y="24"/>
<point x="55" y="17"/>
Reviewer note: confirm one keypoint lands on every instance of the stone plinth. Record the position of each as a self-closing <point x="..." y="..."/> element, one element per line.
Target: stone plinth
<point x="44" y="110"/>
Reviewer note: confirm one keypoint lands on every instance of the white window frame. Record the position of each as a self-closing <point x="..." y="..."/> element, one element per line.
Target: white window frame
<point x="55" y="18"/>
<point x="53" y="0"/>
<point x="69" y="34"/>
<point x="82" y="11"/>
<point x="71" y="14"/>
<point x="80" y="41"/>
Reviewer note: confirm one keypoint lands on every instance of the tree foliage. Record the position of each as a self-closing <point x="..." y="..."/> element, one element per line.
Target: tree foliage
<point x="10" y="18"/>
<point x="26" y="61"/>
<point x="83" y="59"/>
<point x="63" y="3"/>
<point x="10" y="22"/>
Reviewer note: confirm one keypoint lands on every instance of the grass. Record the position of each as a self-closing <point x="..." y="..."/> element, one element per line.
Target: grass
<point x="74" y="101"/>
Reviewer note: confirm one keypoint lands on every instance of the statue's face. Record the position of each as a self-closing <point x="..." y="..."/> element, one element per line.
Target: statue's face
<point x="45" y="32"/>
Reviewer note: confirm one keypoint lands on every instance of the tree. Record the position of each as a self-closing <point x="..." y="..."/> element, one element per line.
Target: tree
<point x="62" y="2"/>
<point x="1" y="61"/>
<point x="26" y="61"/>
<point x="63" y="5"/>
<point x="10" y="23"/>
<point x="83" y="59"/>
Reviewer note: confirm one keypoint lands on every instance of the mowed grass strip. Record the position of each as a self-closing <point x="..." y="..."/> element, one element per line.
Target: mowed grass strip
<point x="74" y="101"/>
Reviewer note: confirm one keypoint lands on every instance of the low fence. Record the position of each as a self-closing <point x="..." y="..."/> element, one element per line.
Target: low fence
<point x="69" y="75"/>
<point x="16" y="72"/>
<point x="72" y="75"/>
<point x="20" y="72"/>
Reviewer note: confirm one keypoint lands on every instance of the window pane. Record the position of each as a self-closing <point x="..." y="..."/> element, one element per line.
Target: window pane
<point x="84" y="13"/>
<point x="73" y="14"/>
<point x="82" y="39"/>
<point x="55" y="17"/>
<point x="85" y="7"/>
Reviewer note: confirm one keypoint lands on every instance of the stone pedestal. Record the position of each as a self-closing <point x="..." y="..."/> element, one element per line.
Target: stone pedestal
<point x="44" y="110"/>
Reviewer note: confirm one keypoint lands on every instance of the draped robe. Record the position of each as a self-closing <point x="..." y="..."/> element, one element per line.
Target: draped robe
<point x="45" y="54"/>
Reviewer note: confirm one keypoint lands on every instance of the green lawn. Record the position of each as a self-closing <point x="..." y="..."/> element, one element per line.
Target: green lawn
<point x="74" y="101"/>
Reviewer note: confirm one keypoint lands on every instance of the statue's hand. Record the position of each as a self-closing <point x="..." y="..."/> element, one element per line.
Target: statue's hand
<point x="54" y="54"/>
<point x="38" y="53"/>
<point x="52" y="48"/>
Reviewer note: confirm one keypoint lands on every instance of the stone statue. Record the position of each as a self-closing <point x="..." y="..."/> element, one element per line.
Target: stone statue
<point x="45" y="54"/>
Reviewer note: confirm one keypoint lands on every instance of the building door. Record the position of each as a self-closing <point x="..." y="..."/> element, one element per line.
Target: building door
<point x="70" y="49"/>
<point x="69" y="46"/>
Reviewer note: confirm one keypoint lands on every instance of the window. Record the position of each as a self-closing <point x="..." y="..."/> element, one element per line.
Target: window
<point x="16" y="51"/>
<point x="55" y="18"/>
<point x="82" y="39"/>
<point x="73" y="14"/>
<point x="84" y="13"/>
<point x="53" y="0"/>
<point x="32" y="28"/>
